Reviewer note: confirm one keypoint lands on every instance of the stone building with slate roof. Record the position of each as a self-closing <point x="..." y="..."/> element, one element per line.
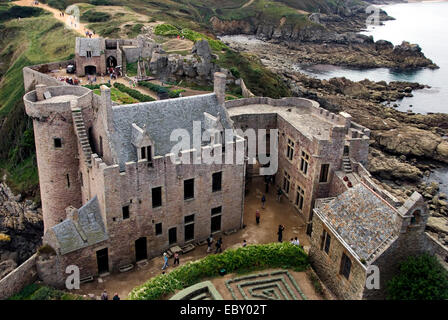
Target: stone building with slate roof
<point x="114" y="193"/>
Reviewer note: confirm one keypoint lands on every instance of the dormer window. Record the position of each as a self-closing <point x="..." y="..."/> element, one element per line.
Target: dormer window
<point x="143" y="143"/>
<point x="416" y="216"/>
<point x="89" y="54"/>
<point x="146" y="153"/>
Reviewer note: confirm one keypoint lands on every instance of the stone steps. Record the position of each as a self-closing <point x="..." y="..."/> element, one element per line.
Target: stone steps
<point x="81" y="133"/>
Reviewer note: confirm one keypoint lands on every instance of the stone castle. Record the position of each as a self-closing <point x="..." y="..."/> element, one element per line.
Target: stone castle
<point x="112" y="195"/>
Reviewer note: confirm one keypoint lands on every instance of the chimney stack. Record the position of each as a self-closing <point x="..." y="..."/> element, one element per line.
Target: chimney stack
<point x="220" y="87"/>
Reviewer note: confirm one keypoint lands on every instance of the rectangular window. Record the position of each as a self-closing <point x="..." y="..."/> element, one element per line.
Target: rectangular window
<point x="125" y="211"/>
<point x="156" y="197"/>
<point x="216" y="181"/>
<point x="300" y="195"/>
<point x="304" y="162"/>
<point x="189" y="227"/>
<point x="89" y="54"/>
<point x="143" y="153"/>
<point x="68" y="180"/>
<point x="324" y="169"/>
<point x="286" y="183"/>
<point x="216" y="210"/>
<point x="325" y="241"/>
<point x="290" y="150"/>
<point x="188" y="189"/>
<point x="346" y="265"/>
<point x="216" y="219"/>
<point x="57" y="142"/>
<point x="101" y="146"/>
<point x="188" y="219"/>
<point x="81" y="179"/>
<point x="158" y="229"/>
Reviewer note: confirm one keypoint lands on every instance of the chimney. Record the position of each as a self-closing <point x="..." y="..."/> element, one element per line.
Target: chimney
<point x="220" y="87"/>
<point x="40" y="89"/>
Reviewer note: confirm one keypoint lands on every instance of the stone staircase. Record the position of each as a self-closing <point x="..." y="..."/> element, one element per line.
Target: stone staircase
<point x="346" y="165"/>
<point x="81" y="132"/>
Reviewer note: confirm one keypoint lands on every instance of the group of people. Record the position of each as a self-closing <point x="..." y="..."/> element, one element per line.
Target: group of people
<point x="114" y="72"/>
<point x="104" y="296"/>
<point x="70" y="80"/>
<point x="165" y="260"/>
<point x="218" y="244"/>
<point x="89" y="34"/>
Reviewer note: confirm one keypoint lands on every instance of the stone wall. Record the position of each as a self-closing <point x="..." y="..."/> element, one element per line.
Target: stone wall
<point x="32" y="75"/>
<point x="22" y="276"/>
<point x="327" y="266"/>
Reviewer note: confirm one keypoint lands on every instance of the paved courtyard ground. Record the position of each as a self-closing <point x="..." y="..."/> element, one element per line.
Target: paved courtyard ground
<point x="275" y="213"/>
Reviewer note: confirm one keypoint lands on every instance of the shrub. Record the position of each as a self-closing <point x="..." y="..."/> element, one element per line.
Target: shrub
<point x="22" y="12"/>
<point x="58" y="4"/>
<point x="252" y="257"/>
<point x="133" y="93"/>
<point x="235" y="72"/>
<point x="46" y="249"/>
<point x="96" y="86"/>
<point x="420" y="278"/>
<point x="95" y="16"/>
<point x="26" y="292"/>
<point x="160" y="89"/>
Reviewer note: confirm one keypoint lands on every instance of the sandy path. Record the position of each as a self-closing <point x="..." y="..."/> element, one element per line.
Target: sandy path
<point x="68" y="20"/>
<point x="248" y="3"/>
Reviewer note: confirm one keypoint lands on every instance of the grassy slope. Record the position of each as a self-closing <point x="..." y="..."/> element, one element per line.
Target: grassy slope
<point x="22" y="43"/>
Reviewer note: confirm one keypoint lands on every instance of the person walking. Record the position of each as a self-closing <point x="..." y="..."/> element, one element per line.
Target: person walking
<point x="297" y="242"/>
<point x="257" y="216"/>
<point x="165" y="259"/>
<point x="244" y="243"/>
<point x="263" y="201"/>
<point x="104" y="295"/>
<point x="116" y="297"/>
<point x="209" y="244"/>
<point x="281" y="228"/>
<point x="219" y="245"/>
<point x="176" y="259"/>
<point x="279" y="194"/>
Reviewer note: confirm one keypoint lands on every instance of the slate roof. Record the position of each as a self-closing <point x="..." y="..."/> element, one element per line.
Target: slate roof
<point x="89" y="44"/>
<point x="361" y="218"/>
<point x="87" y="231"/>
<point x="161" y="118"/>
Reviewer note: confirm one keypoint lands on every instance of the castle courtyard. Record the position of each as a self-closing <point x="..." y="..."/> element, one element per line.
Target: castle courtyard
<point x="275" y="213"/>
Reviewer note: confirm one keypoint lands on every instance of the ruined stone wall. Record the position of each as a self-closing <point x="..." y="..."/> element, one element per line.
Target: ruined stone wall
<point x="15" y="281"/>
<point x="32" y="77"/>
<point x="327" y="266"/>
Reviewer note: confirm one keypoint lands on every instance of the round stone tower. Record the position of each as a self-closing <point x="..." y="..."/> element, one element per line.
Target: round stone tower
<point x="56" y="148"/>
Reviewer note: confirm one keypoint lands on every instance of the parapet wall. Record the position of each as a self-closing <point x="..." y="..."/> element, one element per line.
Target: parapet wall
<point x="20" y="277"/>
<point x="34" y="75"/>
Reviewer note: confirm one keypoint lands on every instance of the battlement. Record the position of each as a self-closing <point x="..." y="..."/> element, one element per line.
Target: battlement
<point x="45" y="100"/>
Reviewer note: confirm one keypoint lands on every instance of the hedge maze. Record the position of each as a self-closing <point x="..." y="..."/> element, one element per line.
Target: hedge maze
<point x="277" y="285"/>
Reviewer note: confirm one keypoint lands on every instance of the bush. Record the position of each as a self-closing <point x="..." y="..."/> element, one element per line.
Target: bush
<point x="58" y="4"/>
<point x="250" y="258"/>
<point x="95" y="16"/>
<point x="160" y="89"/>
<point x="420" y="278"/>
<point x="96" y="86"/>
<point x="133" y="93"/>
<point x="235" y="72"/>
<point x="22" y="12"/>
<point x="26" y="292"/>
<point x="46" y="249"/>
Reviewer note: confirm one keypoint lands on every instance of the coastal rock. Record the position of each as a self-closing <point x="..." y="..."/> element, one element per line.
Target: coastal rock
<point x="437" y="224"/>
<point x="391" y="168"/>
<point x="6" y="267"/>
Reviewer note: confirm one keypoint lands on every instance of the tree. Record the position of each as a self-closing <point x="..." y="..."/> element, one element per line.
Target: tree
<point x="420" y="278"/>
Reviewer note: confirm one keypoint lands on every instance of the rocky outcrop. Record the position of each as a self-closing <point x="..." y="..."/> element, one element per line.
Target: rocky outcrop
<point x="198" y="65"/>
<point x="21" y="220"/>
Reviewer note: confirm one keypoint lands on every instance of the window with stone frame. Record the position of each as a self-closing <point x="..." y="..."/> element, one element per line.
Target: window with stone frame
<point x="325" y="242"/>
<point x="215" y="222"/>
<point x="300" y="196"/>
<point x="324" y="170"/>
<point x="57" y="142"/>
<point x="216" y="181"/>
<point x="156" y="197"/>
<point x="89" y="54"/>
<point x="290" y="149"/>
<point x="286" y="182"/>
<point x="158" y="229"/>
<point x="304" y="162"/>
<point x="125" y="211"/>
<point x="188" y="189"/>
<point x="346" y="265"/>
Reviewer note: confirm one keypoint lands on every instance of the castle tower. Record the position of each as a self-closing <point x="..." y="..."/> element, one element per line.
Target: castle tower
<point x="56" y="148"/>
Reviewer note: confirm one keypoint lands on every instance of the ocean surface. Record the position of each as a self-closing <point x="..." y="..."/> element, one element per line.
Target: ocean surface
<point x="424" y="23"/>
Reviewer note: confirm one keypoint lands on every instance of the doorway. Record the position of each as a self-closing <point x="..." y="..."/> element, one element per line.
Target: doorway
<point x="111" y="62"/>
<point x="141" y="252"/>
<point x="102" y="259"/>
<point x="90" y="70"/>
<point x="172" y="235"/>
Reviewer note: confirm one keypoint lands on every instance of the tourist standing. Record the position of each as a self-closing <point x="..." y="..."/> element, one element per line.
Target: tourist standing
<point x="165" y="261"/>
<point x="219" y="245"/>
<point x="244" y="243"/>
<point x="104" y="295"/>
<point x="257" y="216"/>
<point x="209" y="243"/>
<point x="176" y="259"/>
<point x="116" y="297"/>
<point x="281" y="228"/>
<point x="279" y="194"/>
<point x="263" y="201"/>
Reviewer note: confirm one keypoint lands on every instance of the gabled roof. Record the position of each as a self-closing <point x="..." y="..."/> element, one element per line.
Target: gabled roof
<point x="361" y="218"/>
<point x="95" y="45"/>
<point x="160" y="119"/>
<point x="87" y="230"/>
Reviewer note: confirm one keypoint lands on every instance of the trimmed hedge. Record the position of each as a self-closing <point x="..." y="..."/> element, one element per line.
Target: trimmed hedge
<point x="160" y="89"/>
<point x="133" y="93"/>
<point x="96" y="86"/>
<point x="253" y="257"/>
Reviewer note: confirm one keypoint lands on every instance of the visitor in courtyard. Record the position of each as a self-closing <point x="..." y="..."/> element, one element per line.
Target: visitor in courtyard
<point x="104" y="295"/>
<point x="244" y="243"/>
<point x="292" y="241"/>
<point x="165" y="261"/>
<point x="281" y="228"/>
<point x="296" y="242"/>
<point x="116" y="297"/>
<point x="176" y="259"/>
<point x="209" y="243"/>
<point x="279" y="194"/>
<point x="257" y="216"/>
<point x="219" y="245"/>
<point x="263" y="201"/>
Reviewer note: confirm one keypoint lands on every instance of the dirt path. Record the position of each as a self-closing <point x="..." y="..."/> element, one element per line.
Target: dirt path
<point x="68" y="20"/>
<point x="248" y="3"/>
